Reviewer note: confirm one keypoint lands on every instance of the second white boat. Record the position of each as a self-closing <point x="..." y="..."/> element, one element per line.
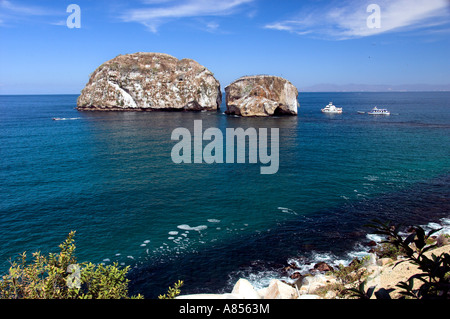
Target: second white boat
<point x="377" y="111"/>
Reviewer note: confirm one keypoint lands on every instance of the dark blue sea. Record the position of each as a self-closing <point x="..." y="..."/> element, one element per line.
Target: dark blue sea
<point x="110" y="177"/>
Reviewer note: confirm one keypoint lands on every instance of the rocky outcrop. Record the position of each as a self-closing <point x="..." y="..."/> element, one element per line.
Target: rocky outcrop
<point x="323" y="267"/>
<point x="279" y="290"/>
<point x="150" y="81"/>
<point x="243" y="289"/>
<point x="261" y="95"/>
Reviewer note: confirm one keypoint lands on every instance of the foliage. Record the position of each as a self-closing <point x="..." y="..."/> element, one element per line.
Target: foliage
<point x="353" y="272"/>
<point x="361" y="293"/>
<point x="347" y="275"/>
<point x="434" y="278"/>
<point x="173" y="291"/>
<point x="388" y="250"/>
<point x="59" y="276"/>
<point x="337" y="288"/>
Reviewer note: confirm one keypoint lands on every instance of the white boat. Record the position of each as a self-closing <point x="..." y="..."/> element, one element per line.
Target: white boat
<point x="330" y="108"/>
<point x="377" y="111"/>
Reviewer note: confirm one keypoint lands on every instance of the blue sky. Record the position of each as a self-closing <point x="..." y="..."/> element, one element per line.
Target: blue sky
<point x="307" y="42"/>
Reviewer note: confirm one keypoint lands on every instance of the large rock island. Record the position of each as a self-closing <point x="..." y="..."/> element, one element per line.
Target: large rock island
<point x="261" y="95"/>
<point x="148" y="82"/>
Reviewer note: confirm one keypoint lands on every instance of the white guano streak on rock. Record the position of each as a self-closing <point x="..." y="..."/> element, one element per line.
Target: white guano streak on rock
<point x="128" y="99"/>
<point x="291" y="99"/>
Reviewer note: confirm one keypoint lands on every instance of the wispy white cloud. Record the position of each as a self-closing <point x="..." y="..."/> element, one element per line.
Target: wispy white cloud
<point x="159" y="12"/>
<point x="11" y="12"/>
<point x="20" y="9"/>
<point x="59" y="23"/>
<point x="212" y="26"/>
<point x="348" y="19"/>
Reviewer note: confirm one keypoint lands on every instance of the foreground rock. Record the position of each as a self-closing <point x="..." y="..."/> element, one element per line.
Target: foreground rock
<point x="150" y="81"/>
<point x="243" y="289"/>
<point x="279" y="290"/>
<point x="261" y="95"/>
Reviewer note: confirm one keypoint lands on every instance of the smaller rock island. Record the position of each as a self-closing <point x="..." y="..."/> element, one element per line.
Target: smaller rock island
<point x="261" y="95"/>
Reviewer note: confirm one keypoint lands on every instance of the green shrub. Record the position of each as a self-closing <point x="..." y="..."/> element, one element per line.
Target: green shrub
<point x="173" y="291"/>
<point x="353" y="272"/>
<point x="59" y="276"/>
<point x="388" y="250"/>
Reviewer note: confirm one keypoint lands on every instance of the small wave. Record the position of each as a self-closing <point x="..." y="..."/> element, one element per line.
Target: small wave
<point x="376" y="238"/>
<point x="259" y="280"/>
<point x="443" y="227"/>
<point x="434" y="225"/>
<point x="287" y="210"/>
<point x="196" y="228"/>
<point x="66" y="118"/>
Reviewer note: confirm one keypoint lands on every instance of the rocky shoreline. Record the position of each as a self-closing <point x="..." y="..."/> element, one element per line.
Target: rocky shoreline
<point x="323" y="281"/>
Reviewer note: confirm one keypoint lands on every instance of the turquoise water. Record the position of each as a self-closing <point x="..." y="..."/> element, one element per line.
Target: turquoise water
<point x="110" y="177"/>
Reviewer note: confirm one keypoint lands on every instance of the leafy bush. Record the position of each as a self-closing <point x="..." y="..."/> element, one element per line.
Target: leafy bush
<point x="353" y="272"/>
<point x="173" y="291"/>
<point x="388" y="250"/>
<point x="59" y="276"/>
<point x="345" y="276"/>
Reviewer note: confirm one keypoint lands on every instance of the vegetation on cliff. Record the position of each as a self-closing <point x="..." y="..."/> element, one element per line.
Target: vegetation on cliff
<point x="60" y="276"/>
<point x="434" y="274"/>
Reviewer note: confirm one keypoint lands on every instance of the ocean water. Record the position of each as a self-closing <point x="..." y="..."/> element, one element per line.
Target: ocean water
<point x="110" y="177"/>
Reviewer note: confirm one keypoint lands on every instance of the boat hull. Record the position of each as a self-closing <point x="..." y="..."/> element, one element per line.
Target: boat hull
<point x="331" y="112"/>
